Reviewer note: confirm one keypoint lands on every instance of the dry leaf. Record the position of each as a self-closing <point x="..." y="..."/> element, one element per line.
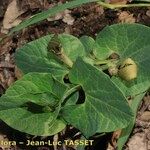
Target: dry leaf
<point x="67" y="18"/>
<point x="11" y="16"/>
<point x="137" y="142"/>
<point x="125" y="17"/>
<point x="56" y="17"/>
<point x="5" y="45"/>
<point x="110" y="147"/>
<point x="18" y="73"/>
<point x="145" y="116"/>
<point x="115" y="137"/>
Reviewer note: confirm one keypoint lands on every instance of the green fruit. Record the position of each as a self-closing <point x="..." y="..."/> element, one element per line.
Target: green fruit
<point x="128" y="70"/>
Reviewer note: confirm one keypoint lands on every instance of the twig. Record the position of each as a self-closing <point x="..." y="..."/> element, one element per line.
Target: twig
<point x="115" y="6"/>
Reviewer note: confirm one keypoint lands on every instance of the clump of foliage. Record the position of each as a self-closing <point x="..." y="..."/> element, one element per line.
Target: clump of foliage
<point x="57" y="68"/>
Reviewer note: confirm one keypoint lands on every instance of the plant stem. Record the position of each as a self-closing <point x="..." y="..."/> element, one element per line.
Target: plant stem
<point x="103" y="62"/>
<point x="114" y="6"/>
<point x="69" y="92"/>
<point x="104" y="67"/>
<point x="66" y="60"/>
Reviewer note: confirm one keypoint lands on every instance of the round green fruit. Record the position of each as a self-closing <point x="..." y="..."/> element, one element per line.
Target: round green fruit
<point x="128" y="70"/>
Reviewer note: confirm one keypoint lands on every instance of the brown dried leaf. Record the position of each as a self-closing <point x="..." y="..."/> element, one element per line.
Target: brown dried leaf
<point x="11" y="16"/>
<point x="110" y="147"/>
<point x="125" y="17"/>
<point x="67" y="18"/>
<point x="145" y="116"/>
<point x="137" y="142"/>
<point x="5" y="45"/>
<point x="18" y="73"/>
<point x="115" y="137"/>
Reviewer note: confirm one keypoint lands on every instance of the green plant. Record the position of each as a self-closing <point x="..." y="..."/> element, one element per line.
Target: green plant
<point x="42" y="103"/>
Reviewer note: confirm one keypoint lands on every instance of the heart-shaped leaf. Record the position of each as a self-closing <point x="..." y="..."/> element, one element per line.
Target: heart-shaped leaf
<point x="105" y="108"/>
<point x="128" y="41"/>
<point x="32" y="104"/>
<point x="35" y="56"/>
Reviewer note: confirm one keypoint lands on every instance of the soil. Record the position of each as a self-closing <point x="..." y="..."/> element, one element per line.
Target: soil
<point x="89" y="19"/>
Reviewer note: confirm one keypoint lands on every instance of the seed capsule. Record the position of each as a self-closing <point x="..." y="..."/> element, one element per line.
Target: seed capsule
<point x="128" y="70"/>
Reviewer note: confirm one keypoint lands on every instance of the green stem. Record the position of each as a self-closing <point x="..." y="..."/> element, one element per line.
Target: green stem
<point x="104" y="67"/>
<point x="66" y="60"/>
<point x="114" y="6"/>
<point x="69" y="92"/>
<point x="104" y="62"/>
<point x="101" y="62"/>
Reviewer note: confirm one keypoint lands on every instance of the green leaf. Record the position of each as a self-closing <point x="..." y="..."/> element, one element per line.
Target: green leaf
<point x="72" y="46"/>
<point x="34" y="87"/>
<point x="136" y="90"/>
<point x="105" y="108"/>
<point x="132" y="88"/>
<point x="127" y="131"/>
<point x="48" y="13"/>
<point x="35" y="56"/>
<point x="128" y="41"/>
<point x="43" y="124"/>
<point x="31" y="104"/>
<point x="88" y="43"/>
